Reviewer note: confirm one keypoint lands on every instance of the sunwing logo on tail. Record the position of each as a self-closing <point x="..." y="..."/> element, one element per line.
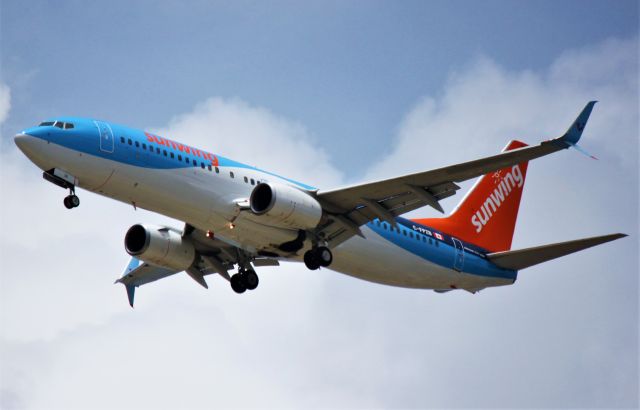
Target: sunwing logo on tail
<point x="504" y="187"/>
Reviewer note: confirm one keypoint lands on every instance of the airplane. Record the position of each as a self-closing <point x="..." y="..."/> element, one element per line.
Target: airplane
<point x="238" y="217"/>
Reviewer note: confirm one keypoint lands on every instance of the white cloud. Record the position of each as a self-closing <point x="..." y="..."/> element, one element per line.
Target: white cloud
<point x="255" y="136"/>
<point x="485" y="105"/>
<point x="64" y="293"/>
<point x="564" y="335"/>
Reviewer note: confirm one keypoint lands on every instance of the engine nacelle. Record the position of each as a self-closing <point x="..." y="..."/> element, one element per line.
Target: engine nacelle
<point x="285" y="206"/>
<point x="159" y="246"/>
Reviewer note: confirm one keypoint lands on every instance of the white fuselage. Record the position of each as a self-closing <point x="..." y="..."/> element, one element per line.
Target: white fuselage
<point x="209" y="201"/>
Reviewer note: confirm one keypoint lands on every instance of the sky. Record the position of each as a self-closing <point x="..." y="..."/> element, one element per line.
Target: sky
<point x="327" y="93"/>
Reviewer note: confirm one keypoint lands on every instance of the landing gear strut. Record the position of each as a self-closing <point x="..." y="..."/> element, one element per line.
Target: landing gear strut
<point x="317" y="257"/>
<point x="244" y="280"/>
<point x="64" y="180"/>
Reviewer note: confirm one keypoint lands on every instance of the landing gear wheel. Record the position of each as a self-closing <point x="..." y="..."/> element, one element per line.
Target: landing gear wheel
<point x="237" y="283"/>
<point x="71" y="201"/>
<point x="251" y="279"/>
<point x="324" y="256"/>
<point x="75" y="201"/>
<point x="311" y="259"/>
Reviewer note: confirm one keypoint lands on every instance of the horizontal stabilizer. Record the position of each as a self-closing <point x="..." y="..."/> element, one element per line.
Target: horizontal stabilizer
<point x="524" y="258"/>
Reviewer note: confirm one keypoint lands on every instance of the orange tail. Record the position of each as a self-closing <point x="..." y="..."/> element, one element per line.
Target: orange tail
<point x="487" y="215"/>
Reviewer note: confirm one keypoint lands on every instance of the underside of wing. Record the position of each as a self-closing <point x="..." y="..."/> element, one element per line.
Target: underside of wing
<point x="391" y="197"/>
<point x="209" y="255"/>
<point x="352" y="206"/>
<point x="139" y="273"/>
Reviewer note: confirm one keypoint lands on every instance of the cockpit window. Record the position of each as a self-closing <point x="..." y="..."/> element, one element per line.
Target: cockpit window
<point x="59" y="124"/>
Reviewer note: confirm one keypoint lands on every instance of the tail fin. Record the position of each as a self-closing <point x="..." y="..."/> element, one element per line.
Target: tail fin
<point x="486" y="216"/>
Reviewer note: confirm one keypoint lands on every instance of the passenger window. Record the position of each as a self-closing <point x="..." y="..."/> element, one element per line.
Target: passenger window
<point x="424" y="239"/>
<point x="253" y="182"/>
<point x="209" y="167"/>
<point x="437" y="244"/>
<point x="68" y="125"/>
<point x="129" y="141"/>
<point x="246" y="180"/>
<point x="404" y="232"/>
<point x="137" y="144"/>
<point x="202" y="165"/>
<point x="172" y="156"/>
<point x="144" y="146"/>
<point x="157" y="150"/>
<point x="164" y="152"/>
<point x="179" y="157"/>
<point x="122" y="140"/>
<point x="231" y="174"/>
<point x="186" y="159"/>
<point x="217" y="170"/>
<point x="430" y="241"/>
<point x="195" y="163"/>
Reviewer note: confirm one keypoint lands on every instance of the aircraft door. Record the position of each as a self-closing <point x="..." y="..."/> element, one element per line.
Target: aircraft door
<point x="458" y="261"/>
<point x="106" y="136"/>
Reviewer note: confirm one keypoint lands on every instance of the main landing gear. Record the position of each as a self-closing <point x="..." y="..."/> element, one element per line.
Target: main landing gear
<point x="244" y="280"/>
<point x="317" y="257"/>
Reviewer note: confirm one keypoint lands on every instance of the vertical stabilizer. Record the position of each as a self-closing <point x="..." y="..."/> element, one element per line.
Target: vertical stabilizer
<point x="487" y="215"/>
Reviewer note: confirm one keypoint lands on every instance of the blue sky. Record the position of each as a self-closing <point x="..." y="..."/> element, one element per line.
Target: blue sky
<point x="348" y="71"/>
<point x="327" y="93"/>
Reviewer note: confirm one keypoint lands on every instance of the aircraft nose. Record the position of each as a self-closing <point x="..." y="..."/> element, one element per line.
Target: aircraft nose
<point x="33" y="148"/>
<point x="22" y="141"/>
<point x="28" y="144"/>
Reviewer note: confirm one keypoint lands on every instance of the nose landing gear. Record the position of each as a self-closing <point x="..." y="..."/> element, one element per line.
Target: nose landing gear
<point x="64" y="180"/>
<point x="71" y="200"/>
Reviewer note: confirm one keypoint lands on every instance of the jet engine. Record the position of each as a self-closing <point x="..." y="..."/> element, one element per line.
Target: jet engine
<point x="160" y="246"/>
<point x="285" y="206"/>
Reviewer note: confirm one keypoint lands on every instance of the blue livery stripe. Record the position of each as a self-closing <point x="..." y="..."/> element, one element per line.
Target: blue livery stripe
<point x="438" y="247"/>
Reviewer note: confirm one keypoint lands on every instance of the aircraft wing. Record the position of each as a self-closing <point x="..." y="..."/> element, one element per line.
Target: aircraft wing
<point x="138" y="273"/>
<point x="355" y="205"/>
<point x="213" y="256"/>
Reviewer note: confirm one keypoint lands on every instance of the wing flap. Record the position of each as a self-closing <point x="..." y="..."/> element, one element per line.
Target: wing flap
<point x="524" y="258"/>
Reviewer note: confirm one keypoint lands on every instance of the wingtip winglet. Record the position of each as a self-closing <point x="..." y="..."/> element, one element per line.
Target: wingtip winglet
<point x="573" y="134"/>
<point x="131" y="292"/>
